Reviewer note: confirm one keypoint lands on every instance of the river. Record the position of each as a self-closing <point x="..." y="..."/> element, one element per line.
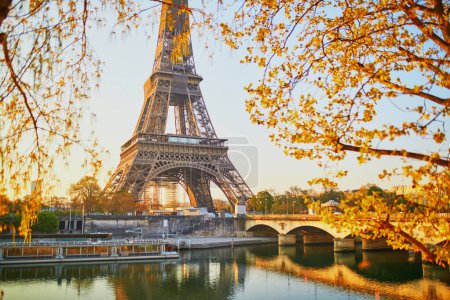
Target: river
<point x="251" y="272"/>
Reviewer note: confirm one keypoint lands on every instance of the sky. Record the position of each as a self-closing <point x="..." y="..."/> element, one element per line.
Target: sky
<point x="114" y="108"/>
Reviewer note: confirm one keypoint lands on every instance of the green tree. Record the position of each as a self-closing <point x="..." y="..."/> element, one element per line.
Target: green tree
<point x="330" y="194"/>
<point x="296" y="198"/>
<point x="263" y="202"/>
<point x="290" y="202"/>
<point x="373" y="189"/>
<point x="47" y="222"/>
<point x="222" y="205"/>
<point x="10" y="221"/>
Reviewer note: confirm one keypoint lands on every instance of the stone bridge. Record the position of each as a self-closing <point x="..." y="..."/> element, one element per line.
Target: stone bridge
<point x="290" y="229"/>
<point x="310" y="229"/>
<point x="289" y="224"/>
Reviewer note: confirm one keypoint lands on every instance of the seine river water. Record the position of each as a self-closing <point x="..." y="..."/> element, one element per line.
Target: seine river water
<point x="252" y="272"/>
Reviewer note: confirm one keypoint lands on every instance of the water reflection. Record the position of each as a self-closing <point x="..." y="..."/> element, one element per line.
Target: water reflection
<point x="264" y="272"/>
<point x="389" y="273"/>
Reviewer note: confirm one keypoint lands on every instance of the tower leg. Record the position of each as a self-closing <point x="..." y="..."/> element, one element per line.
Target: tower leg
<point x="198" y="188"/>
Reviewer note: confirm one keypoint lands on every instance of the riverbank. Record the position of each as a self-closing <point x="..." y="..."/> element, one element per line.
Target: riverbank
<point x="187" y="242"/>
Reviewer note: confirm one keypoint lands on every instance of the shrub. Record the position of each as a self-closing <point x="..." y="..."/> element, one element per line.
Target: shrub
<point x="47" y="222"/>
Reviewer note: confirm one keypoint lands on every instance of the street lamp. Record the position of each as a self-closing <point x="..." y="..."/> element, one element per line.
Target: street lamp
<point x="70" y="215"/>
<point x="82" y="219"/>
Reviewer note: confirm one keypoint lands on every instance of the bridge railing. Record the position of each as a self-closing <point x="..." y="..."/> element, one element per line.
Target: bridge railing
<point x="306" y="217"/>
<point x="299" y="217"/>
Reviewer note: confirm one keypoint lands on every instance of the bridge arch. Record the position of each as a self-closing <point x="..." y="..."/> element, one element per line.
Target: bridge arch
<point x="263" y="230"/>
<point x="312" y="229"/>
<point x="286" y="225"/>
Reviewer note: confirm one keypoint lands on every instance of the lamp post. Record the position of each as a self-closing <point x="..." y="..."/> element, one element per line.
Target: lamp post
<point x="70" y="215"/>
<point x="287" y="206"/>
<point x="82" y="219"/>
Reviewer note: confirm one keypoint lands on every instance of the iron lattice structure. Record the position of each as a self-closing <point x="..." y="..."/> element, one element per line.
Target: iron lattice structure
<point x="194" y="156"/>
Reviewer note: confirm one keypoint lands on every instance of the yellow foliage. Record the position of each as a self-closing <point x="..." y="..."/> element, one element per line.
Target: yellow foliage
<point x="335" y="72"/>
<point x="47" y="70"/>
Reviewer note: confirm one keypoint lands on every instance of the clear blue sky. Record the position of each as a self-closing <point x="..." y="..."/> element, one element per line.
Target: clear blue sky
<point x="117" y="103"/>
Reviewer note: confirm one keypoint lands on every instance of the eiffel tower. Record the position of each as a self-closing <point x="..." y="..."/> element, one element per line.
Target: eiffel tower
<point x="194" y="156"/>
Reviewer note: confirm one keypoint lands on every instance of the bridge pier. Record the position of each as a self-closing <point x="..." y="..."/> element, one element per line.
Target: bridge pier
<point x="287" y="239"/>
<point x="376" y="244"/>
<point x="316" y="239"/>
<point x="344" y="245"/>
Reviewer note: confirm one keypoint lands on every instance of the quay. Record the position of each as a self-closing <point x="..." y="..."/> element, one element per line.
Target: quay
<point x="216" y="242"/>
<point x="41" y="252"/>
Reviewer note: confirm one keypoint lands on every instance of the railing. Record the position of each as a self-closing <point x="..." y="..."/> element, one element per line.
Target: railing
<point x="307" y="217"/>
<point x="173" y="139"/>
<point x="295" y="217"/>
<point x="86" y="243"/>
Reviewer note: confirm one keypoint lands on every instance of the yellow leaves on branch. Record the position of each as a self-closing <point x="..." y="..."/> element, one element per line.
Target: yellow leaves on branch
<point x="357" y="57"/>
<point x="370" y="77"/>
<point x="35" y="4"/>
<point x="47" y="70"/>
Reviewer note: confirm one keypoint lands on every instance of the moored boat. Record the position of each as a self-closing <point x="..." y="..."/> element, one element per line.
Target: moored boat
<point x="38" y="252"/>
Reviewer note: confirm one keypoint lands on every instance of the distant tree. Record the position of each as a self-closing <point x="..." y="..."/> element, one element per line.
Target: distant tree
<point x="17" y="220"/>
<point x="330" y="194"/>
<point x="296" y="198"/>
<point x="4" y="205"/>
<point x="382" y="195"/>
<point x="291" y="201"/>
<point x="295" y="191"/>
<point x="10" y="222"/>
<point x="47" y="222"/>
<point x="375" y="190"/>
<point x="141" y="207"/>
<point x="279" y="204"/>
<point x="55" y="203"/>
<point x="263" y="201"/>
<point x="120" y="202"/>
<point x="222" y="205"/>
<point x="85" y="193"/>
<point x="9" y="214"/>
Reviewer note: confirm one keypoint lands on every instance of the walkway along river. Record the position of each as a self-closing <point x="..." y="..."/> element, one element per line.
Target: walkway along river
<point x="246" y="272"/>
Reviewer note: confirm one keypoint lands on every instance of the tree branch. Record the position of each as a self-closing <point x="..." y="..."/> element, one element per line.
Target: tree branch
<point x="410" y="12"/>
<point x="401" y="153"/>
<point x="429" y="255"/>
<point x="5" y="6"/>
<point x="18" y="85"/>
